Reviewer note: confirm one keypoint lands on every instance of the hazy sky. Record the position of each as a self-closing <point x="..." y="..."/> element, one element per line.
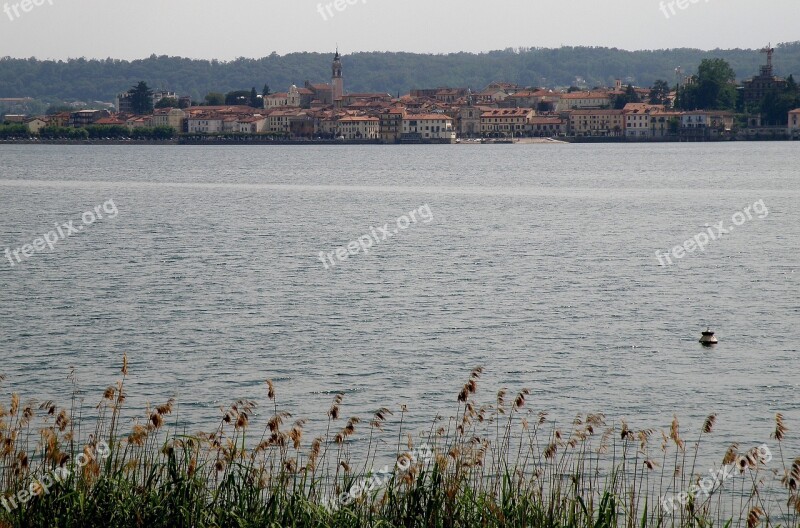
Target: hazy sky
<point x="255" y="28"/>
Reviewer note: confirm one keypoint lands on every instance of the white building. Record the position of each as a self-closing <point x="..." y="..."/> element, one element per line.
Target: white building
<point x="283" y="99"/>
<point x="358" y="127"/>
<point x="205" y="124"/>
<point x="251" y="125"/>
<point x="428" y="126"/>
<point x="794" y="123"/>
<point x="159" y="95"/>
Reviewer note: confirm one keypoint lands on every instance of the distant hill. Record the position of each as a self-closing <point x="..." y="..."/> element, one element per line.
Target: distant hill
<point x="89" y="80"/>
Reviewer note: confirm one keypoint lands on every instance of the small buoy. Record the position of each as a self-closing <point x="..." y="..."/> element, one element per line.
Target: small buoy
<point x="708" y="338"/>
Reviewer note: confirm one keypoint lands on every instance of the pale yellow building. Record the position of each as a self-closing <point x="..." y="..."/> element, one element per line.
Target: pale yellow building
<point x="280" y="120"/>
<point x="35" y="124"/>
<point x="506" y="122"/>
<point x="583" y="100"/>
<point x="358" y="127"/>
<point x="606" y="123"/>
<point x="173" y="118"/>
<point x="638" y="119"/>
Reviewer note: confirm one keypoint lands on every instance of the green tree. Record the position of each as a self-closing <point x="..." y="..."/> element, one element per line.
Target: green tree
<point x="255" y="101"/>
<point x="57" y="109"/>
<point x="141" y="98"/>
<point x="238" y="97"/>
<point x="791" y="85"/>
<point x="630" y="96"/>
<point x="167" y="102"/>
<point x="215" y="99"/>
<point x="713" y="88"/>
<point x="265" y="91"/>
<point x="776" y="105"/>
<point x="14" y="131"/>
<point x="659" y="93"/>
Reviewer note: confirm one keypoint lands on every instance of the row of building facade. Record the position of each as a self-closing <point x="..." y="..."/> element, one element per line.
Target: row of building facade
<point x="393" y="122"/>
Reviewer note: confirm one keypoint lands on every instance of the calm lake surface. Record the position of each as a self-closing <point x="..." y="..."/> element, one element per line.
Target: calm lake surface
<point x="539" y="265"/>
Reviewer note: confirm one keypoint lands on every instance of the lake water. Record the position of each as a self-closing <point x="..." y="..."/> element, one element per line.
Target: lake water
<point x="538" y="264"/>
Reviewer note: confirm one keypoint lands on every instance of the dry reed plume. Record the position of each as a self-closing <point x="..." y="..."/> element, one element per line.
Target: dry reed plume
<point x="494" y="464"/>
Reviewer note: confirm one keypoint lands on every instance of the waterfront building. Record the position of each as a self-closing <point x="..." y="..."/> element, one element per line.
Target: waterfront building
<point x="35" y="124"/>
<point x="638" y="119"/>
<point x="205" y="124"/>
<point x="358" y="127"/>
<point x="173" y="118"/>
<point x="543" y="126"/>
<point x="428" y="127"/>
<point x="391" y="124"/>
<point x="704" y="124"/>
<point x="506" y="122"/>
<point x="604" y="123"/>
<point x="794" y="123"/>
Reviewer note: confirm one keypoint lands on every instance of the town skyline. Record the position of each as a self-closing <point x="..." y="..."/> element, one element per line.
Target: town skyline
<point x="701" y="108"/>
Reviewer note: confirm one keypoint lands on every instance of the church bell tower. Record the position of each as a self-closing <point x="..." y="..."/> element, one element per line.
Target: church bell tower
<point x="337" y="81"/>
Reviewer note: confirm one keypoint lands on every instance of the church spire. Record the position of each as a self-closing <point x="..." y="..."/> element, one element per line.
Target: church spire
<point x="337" y="79"/>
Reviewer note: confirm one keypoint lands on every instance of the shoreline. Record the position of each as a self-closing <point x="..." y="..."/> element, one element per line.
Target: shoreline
<point x="521" y="141"/>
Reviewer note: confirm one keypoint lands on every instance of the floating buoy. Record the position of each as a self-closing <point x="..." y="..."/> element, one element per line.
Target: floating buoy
<point x="708" y="338"/>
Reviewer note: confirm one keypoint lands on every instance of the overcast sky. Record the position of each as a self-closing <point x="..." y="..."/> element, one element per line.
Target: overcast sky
<point x="255" y="28"/>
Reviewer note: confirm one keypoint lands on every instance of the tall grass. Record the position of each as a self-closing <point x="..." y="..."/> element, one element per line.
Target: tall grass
<point x="492" y="464"/>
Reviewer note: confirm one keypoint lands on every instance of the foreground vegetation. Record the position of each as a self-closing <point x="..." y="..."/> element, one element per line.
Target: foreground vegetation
<point x="89" y="132"/>
<point x="493" y="465"/>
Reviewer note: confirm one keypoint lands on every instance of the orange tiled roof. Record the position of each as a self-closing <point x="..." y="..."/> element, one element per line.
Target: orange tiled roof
<point x="597" y="112"/>
<point x="641" y="108"/>
<point x="109" y="121"/>
<point x="585" y="95"/>
<point x="428" y="117"/>
<point x="536" y="120"/>
<point x="359" y="118"/>
<point x="507" y="112"/>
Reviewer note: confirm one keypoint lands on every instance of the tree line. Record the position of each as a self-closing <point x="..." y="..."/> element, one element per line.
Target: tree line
<point x="101" y="80"/>
<point x="88" y="132"/>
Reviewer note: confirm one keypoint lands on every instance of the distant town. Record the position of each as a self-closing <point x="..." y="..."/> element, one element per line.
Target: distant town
<point x="708" y="105"/>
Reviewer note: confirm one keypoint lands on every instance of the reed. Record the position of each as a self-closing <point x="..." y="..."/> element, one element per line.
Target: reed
<point x="491" y="464"/>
